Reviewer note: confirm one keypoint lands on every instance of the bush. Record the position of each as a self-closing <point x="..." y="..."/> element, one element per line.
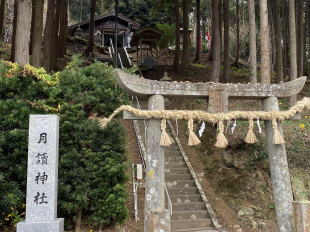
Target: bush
<point x="168" y="35"/>
<point x="21" y="93"/>
<point x="91" y="162"/>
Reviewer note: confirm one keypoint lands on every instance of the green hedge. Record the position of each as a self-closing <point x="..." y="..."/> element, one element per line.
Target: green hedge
<point x="92" y="160"/>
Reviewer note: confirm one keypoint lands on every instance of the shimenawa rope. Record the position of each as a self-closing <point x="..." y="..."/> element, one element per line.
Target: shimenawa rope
<point x="218" y="118"/>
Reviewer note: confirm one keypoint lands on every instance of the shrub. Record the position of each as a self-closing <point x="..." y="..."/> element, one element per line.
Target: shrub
<point x="91" y="162"/>
<point x="168" y="34"/>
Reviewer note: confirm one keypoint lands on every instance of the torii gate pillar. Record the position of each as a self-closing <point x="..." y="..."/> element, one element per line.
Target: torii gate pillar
<point x="280" y="176"/>
<point x="156" y="218"/>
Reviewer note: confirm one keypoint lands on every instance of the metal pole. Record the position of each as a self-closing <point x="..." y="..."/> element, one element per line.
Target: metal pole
<point x="115" y="39"/>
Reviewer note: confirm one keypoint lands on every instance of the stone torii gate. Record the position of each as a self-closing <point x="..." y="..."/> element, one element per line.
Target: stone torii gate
<point x="217" y="95"/>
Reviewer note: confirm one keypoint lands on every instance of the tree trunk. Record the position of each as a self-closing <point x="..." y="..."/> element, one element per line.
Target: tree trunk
<point x="293" y="50"/>
<point x="2" y="12"/>
<point x="14" y="32"/>
<point x="198" y="35"/>
<point x="226" y="40"/>
<point x="49" y="36"/>
<point x="300" y="36"/>
<point x="221" y="20"/>
<point x="33" y="15"/>
<point x="279" y="55"/>
<point x="215" y="74"/>
<point x="193" y="38"/>
<point x="213" y="31"/>
<point x="90" y="48"/>
<point x="185" y="55"/>
<point x="237" y="34"/>
<point x="265" y="41"/>
<point x="308" y="36"/>
<point x="63" y="29"/>
<point x="176" y="59"/>
<point x="23" y="26"/>
<point x="272" y="18"/>
<point x="56" y="33"/>
<point x="285" y="38"/>
<point x="37" y="34"/>
<point x="78" y="221"/>
<point x="253" y="59"/>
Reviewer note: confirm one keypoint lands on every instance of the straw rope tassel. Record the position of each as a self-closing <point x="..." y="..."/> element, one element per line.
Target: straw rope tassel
<point x="165" y="139"/>
<point x="192" y="137"/>
<point x="221" y="140"/>
<point x="250" y="137"/>
<point x="277" y="138"/>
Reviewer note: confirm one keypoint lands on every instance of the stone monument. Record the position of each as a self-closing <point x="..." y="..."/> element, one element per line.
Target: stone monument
<point x="42" y="176"/>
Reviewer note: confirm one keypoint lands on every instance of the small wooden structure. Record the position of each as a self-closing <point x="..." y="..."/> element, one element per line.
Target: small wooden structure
<point x="146" y="38"/>
<point x="105" y="29"/>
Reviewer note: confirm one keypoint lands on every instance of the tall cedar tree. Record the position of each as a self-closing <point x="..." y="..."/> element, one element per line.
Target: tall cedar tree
<point x="186" y="42"/>
<point x="56" y="33"/>
<point x="265" y="43"/>
<point x="293" y="50"/>
<point x="300" y="36"/>
<point x="2" y="12"/>
<point x="49" y="35"/>
<point x="22" y="37"/>
<point x="253" y="55"/>
<point x="63" y="29"/>
<point x="226" y="40"/>
<point x="14" y="32"/>
<point x="90" y="48"/>
<point x="198" y="31"/>
<point x="237" y="34"/>
<point x="176" y="60"/>
<point x="278" y="41"/>
<point x="308" y="35"/>
<point x="36" y="33"/>
<point x="216" y="41"/>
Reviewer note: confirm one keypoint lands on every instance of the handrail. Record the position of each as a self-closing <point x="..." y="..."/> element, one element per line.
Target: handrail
<point x="169" y="200"/>
<point x="134" y="193"/>
<point x="141" y="149"/>
<point x="144" y="121"/>
<point x="125" y="49"/>
<point x="112" y="47"/>
<point x="120" y="60"/>
<point x="141" y="145"/>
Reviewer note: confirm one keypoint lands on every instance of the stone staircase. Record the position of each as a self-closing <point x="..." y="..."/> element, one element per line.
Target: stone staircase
<point x="189" y="212"/>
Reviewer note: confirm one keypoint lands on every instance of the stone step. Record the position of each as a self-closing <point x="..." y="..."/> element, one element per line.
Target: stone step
<point x="174" y="158"/>
<point x="180" y="184"/>
<point x="177" y="164"/>
<point x="172" y="148"/>
<point x="193" y="215"/>
<point x="205" y="229"/>
<point x="182" y="191"/>
<point x="185" y="198"/>
<point x="177" y="170"/>
<point x="191" y="206"/>
<point x="173" y="177"/>
<point x="184" y="224"/>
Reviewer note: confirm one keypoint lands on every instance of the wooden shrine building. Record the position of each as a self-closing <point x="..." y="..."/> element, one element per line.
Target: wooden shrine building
<point x="146" y="39"/>
<point x="105" y="29"/>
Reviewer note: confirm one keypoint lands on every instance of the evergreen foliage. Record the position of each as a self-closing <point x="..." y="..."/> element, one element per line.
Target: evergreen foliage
<point x="168" y="35"/>
<point x="91" y="163"/>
